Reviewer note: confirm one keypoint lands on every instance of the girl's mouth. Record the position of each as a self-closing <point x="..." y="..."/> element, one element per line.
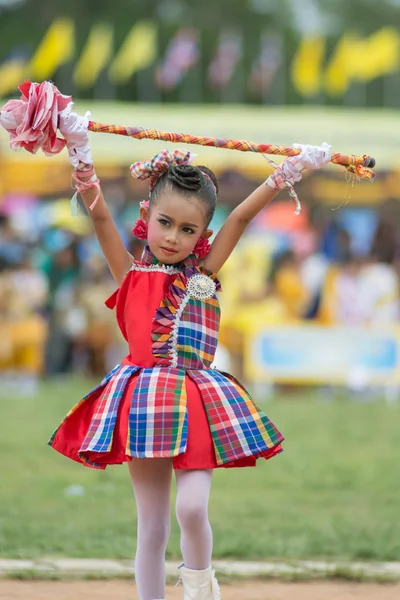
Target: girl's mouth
<point x="168" y="250"/>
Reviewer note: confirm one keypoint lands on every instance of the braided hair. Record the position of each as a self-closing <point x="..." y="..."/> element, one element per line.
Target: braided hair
<point x="189" y="180"/>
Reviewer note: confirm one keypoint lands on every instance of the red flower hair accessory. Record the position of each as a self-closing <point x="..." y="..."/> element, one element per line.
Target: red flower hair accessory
<point x="202" y="248"/>
<point x="140" y="230"/>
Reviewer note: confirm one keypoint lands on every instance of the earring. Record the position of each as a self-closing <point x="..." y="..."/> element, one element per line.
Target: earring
<point x="202" y="248"/>
<point x="140" y="229"/>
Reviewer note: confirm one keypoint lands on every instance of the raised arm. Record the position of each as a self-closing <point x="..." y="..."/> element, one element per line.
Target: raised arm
<point x="74" y="129"/>
<point x="311" y="157"/>
<point x="234" y="226"/>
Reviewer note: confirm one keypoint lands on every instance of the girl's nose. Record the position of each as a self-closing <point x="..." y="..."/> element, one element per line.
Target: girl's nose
<point x="172" y="236"/>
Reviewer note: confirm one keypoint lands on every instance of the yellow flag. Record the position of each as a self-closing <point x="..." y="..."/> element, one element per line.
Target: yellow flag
<point x="380" y="55"/>
<point x="12" y="74"/>
<point x="138" y="51"/>
<point x="307" y="66"/>
<point x="339" y="72"/>
<point x="365" y="59"/>
<point x="55" y="49"/>
<point x="95" y="55"/>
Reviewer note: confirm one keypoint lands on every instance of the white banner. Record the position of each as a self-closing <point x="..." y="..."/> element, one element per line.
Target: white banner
<point x="332" y="355"/>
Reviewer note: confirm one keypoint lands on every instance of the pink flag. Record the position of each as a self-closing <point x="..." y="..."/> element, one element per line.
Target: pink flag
<point x="182" y="54"/>
<point x="226" y="58"/>
<point x="266" y="65"/>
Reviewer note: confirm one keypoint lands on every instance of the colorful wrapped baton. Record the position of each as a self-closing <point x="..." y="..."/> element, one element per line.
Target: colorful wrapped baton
<point x="359" y="165"/>
<point x="32" y="123"/>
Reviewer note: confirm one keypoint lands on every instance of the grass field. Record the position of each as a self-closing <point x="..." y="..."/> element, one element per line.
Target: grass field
<point x="333" y="493"/>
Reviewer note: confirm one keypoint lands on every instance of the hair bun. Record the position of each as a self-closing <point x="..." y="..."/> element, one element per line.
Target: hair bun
<point x="186" y="176"/>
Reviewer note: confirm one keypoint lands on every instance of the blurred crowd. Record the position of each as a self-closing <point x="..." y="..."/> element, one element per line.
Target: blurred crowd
<point x="334" y="269"/>
<point x="53" y="320"/>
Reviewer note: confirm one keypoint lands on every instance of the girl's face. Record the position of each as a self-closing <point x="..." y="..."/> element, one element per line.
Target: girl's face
<point x="175" y="224"/>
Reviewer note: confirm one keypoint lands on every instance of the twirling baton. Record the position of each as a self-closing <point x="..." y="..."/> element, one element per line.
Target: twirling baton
<point x="32" y="123"/>
<point x="359" y="165"/>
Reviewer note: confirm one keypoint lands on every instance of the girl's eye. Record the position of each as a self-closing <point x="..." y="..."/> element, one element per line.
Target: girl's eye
<point x="188" y="230"/>
<point x="163" y="222"/>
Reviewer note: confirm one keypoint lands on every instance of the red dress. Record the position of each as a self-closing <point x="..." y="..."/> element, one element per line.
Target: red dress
<point x="99" y="430"/>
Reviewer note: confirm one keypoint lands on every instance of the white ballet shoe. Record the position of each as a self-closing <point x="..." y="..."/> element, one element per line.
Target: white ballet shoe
<point x="199" y="584"/>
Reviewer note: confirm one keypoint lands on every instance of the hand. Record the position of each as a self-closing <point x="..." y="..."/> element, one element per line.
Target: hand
<point x="313" y="157"/>
<point x="75" y="130"/>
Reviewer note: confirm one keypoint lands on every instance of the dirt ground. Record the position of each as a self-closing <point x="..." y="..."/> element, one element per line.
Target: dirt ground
<point x="123" y="590"/>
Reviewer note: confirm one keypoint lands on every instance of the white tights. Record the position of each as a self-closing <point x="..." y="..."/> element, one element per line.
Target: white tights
<point x="151" y="480"/>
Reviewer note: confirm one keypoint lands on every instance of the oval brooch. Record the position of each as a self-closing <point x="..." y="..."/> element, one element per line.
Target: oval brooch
<point x="201" y="287"/>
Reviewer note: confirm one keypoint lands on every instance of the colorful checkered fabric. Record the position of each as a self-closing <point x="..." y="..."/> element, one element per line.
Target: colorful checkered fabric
<point x="186" y="338"/>
<point x="158" y="422"/>
<point x="198" y="334"/>
<point x="107" y="378"/>
<point x="99" y="435"/>
<point x="238" y="427"/>
<point x="158" y="418"/>
<point x="159" y="164"/>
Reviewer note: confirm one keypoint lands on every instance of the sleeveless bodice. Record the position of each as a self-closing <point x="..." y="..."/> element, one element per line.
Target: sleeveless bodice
<point x="169" y="315"/>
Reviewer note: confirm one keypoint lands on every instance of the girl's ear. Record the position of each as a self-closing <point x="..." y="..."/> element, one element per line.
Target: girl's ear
<point x="144" y="213"/>
<point x="207" y="234"/>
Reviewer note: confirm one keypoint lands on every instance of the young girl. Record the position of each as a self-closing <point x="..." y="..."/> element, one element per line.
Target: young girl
<point x="165" y="408"/>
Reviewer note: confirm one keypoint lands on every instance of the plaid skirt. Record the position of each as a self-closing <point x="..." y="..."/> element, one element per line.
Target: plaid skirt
<point x="200" y="419"/>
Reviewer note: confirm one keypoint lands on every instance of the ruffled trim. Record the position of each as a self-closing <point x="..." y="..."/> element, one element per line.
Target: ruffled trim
<point x="164" y="331"/>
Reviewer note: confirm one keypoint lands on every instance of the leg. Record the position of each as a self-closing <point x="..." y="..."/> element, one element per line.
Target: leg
<point x="193" y="491"/>
<point x="198" y="578"/>
<point x="151" y="480"/>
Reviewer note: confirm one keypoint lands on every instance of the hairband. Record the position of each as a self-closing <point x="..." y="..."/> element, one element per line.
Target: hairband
<point x="206" y="175"/>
